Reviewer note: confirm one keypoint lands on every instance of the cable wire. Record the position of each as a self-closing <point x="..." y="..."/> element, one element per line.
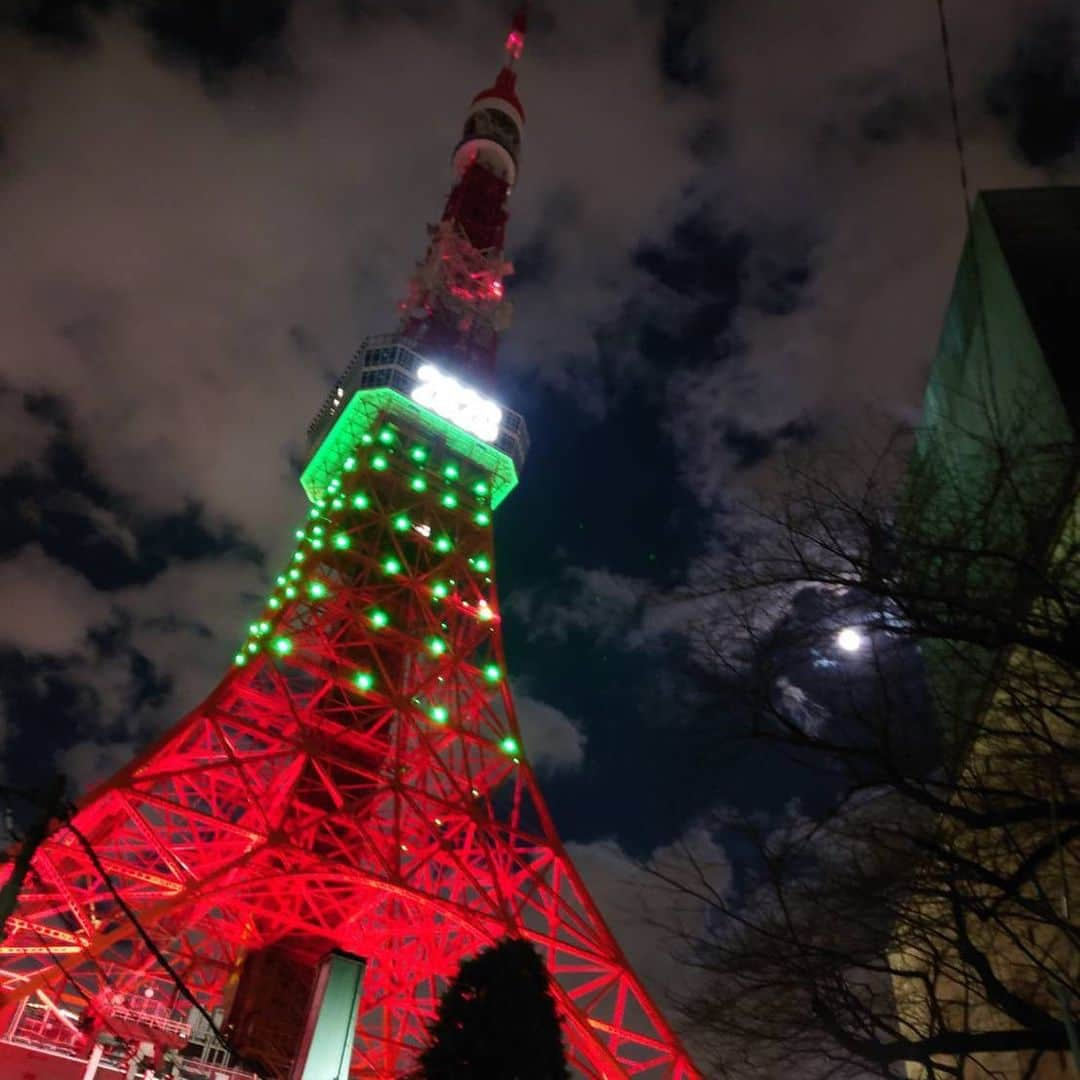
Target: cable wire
<point x="67" y="813"/>
<point x="969" y="217"/>
<point x="82" y="993"/>
<point x="161" y="958"/>
<point x="954" y="108"/>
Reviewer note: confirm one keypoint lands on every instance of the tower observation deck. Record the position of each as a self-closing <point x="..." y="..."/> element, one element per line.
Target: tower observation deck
<point x="357" y="784"/>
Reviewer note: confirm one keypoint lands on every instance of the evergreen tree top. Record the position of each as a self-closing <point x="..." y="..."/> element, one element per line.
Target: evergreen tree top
<point x="496" y="1021"/>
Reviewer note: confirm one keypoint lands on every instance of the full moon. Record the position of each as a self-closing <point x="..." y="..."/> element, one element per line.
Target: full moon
<point x="849" y="639"/>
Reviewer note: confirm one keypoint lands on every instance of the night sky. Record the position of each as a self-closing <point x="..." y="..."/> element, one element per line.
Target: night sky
<point x="734" y="235"/>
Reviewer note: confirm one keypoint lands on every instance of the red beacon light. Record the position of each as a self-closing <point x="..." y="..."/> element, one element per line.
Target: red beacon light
<point x="515" y="40"/>
<point x="515" y="43"/>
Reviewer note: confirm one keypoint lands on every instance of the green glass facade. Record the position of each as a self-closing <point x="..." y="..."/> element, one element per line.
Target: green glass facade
<point x="994" y="466"/>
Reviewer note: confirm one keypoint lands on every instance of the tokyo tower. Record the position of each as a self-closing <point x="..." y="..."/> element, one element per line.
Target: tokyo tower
<point x="355" y="791"/>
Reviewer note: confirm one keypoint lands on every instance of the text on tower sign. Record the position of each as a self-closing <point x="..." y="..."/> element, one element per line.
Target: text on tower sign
<point x="461" y="405"/>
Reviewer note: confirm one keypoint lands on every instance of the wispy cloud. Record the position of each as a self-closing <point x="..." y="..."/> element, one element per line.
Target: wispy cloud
<point x="553" y="741"/>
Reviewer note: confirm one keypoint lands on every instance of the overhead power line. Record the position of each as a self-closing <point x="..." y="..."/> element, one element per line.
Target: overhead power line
<point x="54" y="808"/>
<point x="148" y="941"/>
<point x="954" y="107"/>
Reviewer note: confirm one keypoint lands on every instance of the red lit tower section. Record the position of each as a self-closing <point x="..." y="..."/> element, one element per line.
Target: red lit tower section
<point x="357" y="782"/>
<point x="456" y="307"/>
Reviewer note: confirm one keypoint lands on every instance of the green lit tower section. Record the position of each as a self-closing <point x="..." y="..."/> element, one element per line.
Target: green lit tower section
<point x="389" y="381"/>
<point x="392" y="639"/>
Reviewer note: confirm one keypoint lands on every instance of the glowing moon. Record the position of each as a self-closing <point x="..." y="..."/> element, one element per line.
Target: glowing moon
<point x="849" y="639"/>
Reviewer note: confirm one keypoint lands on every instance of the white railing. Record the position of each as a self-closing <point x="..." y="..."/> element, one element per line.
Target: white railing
<point x="146" y="1013"/>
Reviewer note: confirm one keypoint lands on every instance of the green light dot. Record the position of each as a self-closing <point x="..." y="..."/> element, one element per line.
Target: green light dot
<point x="320" y="503"/>
<point x="440" y="590"/>
<point x="264" y="628"/>
<point x="239" y="659"/>
<point x="290" y="593"/>
<point x="294" y="574"/>
<point x="300" y="534"/>
<point x="440" y="714"/>
<point x="392" y="566"/>
<point x="402" y="523"/>
<point x="338" y="504"/>
<point x="361" y="502"/>
<point x="492" y="672"/>
<point x="281" y="579"/>
<point x="274" y="602"/>
<point x="317" y="544"/>
<point x="482" y="517"/>
<point x="366" y="439"/>
<point x="387" y="436"/>
<point x="418" y="483"/>
<point x="482" y="563"/>
<point x="418" y="453"/>
<point x="443" y="544"/>
<point x="282" y="646"/>
<point x="298" y="557"/>
<point x="378" y="462"/>
<point x="349" y="464"/>
<point x="449" y="500"/>
<point x="252" y="647"/>
<point x="379" y="619"/>
<point x="451" y="471"/>
<point x="509" y="745"/>
<point x="436" y="646"/>
<point x="364" y="680"/>
<point x="317" y="590"/>
<point x="333" y="485"/>
<point x="314" y="512"/>
<point x="317" y="530"/>
<point x="342" y="541"/>
<point x="480" y="487"/>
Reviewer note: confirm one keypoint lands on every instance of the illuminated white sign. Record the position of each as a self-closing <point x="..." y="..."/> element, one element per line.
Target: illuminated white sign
<point x="459" y="404"/>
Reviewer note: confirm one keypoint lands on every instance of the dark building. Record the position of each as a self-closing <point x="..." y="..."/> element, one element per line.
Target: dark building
<point x="990" y="529"/>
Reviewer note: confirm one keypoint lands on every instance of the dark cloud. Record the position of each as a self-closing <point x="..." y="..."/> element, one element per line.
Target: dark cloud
<point x="696" y="255"/>
<point x="217" y="36"/>
<point x="682" y="46"/>
<point x="1038" y="95"/>
<point x="873" y="110"/>
<point x="25" y="432"/>
<point x="59" y="22"/>
<point x="750" y="448"/>
<point x="535" y="256"/>
<point x="700" y="267"/>
<point x="890" y="119"/>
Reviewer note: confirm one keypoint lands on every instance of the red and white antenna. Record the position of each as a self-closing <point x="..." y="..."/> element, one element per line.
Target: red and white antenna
<point x="456" y="306"/>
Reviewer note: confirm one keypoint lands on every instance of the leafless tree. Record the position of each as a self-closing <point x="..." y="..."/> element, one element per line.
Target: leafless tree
<point x="916" y="920"/>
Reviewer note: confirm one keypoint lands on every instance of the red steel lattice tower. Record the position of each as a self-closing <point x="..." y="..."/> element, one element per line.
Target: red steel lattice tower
<point x="357" y="780"/>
